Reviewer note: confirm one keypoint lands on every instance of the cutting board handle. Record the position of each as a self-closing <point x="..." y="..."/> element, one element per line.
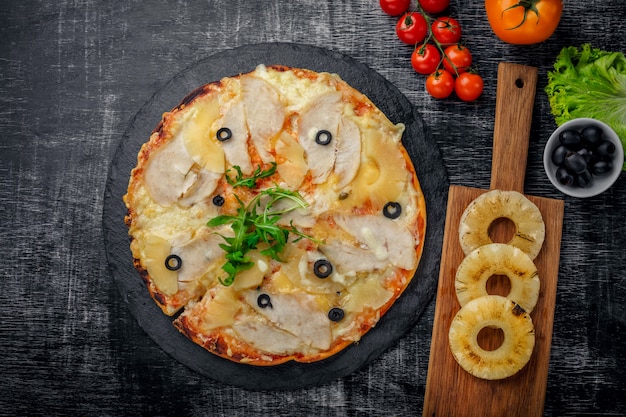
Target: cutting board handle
<point x="515" y="97"/>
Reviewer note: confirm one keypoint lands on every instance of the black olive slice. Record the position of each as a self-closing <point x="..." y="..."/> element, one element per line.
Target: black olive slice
<point x="173" y="262"/>
<point x="323" y="137"/>
<point x="336" y="314"/>
<point x="264" y="301"/>
<point x="224" y="134"/>
<point x="392" y="210"/>
<point x="322" y="268"/>
<point x="218" y="200"/>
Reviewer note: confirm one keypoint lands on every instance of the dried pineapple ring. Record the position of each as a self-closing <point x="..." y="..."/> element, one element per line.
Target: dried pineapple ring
<point x="498" y="259"/>
<point x="492" y="311"/>
<point x="530" y="229"/>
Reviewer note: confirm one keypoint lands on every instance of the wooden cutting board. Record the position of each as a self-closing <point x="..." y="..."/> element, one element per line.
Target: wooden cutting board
<point x="450" y="390"/>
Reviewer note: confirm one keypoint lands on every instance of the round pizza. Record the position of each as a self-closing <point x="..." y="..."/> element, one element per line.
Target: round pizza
<point x="275" y="215"/>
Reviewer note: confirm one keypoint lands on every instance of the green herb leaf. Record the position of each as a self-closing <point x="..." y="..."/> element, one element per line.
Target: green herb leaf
<point x="254" y="224"/>
<point x="220" y="220"/>
<point x="250" y="182"/>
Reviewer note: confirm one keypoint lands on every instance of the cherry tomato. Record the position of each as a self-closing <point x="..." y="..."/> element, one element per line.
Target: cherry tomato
<point x="425" y="59"/>
<point x="394" y="7"/>
<point x="524" y="22"/>
<point x="412" y="28"/>
<point x="440" y="84"/>
<point x="468" y="86"/>
<point x="457" y="59"/>
<point x="446" y="30"/>
<point x="434" y="6"/>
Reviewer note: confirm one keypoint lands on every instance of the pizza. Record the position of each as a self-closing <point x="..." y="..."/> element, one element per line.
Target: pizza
<point x="275" y="215"/>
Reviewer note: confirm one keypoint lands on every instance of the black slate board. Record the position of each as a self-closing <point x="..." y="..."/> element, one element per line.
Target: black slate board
<point x="399" y="319"/>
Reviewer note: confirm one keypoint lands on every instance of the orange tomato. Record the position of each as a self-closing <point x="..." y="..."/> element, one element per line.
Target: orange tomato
<point x="524" y="22"/>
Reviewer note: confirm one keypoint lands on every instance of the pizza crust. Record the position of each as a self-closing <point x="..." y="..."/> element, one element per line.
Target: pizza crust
<point x="275" y="115"/>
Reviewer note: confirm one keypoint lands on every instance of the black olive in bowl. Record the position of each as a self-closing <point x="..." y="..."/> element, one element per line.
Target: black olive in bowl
<point x="583" y="157"/>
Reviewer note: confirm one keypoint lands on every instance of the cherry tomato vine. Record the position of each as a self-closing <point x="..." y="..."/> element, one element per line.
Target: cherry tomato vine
<point x="438" y="49"/>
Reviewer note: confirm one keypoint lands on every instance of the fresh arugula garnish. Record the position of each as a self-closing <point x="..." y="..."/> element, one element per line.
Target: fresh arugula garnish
<point x="256" y="223"/>
<point x="250" y="182"/>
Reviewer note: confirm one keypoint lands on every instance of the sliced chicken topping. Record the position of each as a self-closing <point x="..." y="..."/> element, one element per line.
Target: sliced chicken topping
<point x="385" y="238"/>
<point x="200" y="185"/>
<point x="294" y="313"/>
<point x="348" y="258"/>
<point x="317" y="133"/>
<point x="198" y="254"/>
<point x="265" y="113"/>
<point x="171" y="176"/>
<point x="236" y="148"/>
<point x="266" y="337"/>
<point x="348" y="152"/>
<point x="166" y="172"/>
<point x="381" y="241"/>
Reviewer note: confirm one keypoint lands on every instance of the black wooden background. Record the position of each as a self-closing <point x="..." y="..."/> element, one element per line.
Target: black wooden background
<point x="72" y="76"/>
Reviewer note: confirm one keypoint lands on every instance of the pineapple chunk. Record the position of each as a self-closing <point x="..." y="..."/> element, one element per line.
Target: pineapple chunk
<point x="366" y="292"/>
<point x="294" y="167"/>
<point x="221" y="309"/>
<point x="156" y="249"/>
<point x="252" y="277"/>
<point x="199" y="137"/>
<point x="391" y="163"/>
<point x="282" y="284"/>
<point x="382" y="175"/>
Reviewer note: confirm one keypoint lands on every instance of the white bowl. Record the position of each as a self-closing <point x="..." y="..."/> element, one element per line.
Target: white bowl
<point x="599" y="183"/>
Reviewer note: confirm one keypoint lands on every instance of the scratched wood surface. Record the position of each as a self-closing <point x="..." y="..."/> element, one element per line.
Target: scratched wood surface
<point x="72" y="76"/>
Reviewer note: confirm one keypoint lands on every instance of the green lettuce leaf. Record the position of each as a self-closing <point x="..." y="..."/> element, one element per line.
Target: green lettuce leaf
<point x="589" y="82"/>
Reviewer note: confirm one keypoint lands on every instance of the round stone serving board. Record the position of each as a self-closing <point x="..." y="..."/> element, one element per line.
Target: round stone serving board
<point x="402" y="316"/>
